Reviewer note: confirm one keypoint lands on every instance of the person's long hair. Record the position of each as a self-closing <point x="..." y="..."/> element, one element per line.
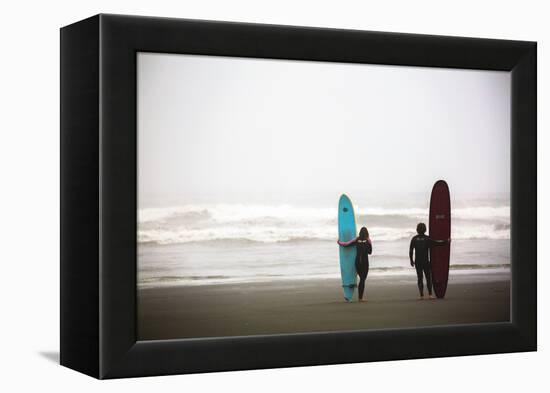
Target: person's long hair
<point x="363" y="234"/>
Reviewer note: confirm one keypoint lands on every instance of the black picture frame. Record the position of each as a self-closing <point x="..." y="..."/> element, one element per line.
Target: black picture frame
<point x="98" y="195"/>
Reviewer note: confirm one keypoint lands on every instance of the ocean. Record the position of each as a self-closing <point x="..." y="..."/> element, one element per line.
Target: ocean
<point x="216" y="243"/>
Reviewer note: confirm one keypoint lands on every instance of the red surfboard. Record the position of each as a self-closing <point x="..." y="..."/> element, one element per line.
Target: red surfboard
<point x="440" y="229"/>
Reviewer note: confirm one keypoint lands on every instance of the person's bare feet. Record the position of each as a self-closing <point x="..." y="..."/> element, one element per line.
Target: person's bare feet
<point x="432" y="297"/>
<point x="421" y="297"/>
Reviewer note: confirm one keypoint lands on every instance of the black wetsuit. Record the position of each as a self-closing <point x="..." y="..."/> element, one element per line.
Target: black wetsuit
<point x="364" y="249"/>
<point x="421" y="245"/>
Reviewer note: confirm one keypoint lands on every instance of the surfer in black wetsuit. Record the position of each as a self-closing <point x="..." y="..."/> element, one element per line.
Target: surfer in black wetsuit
<point x="421" y="245"/>
<point x="364" y="249"/>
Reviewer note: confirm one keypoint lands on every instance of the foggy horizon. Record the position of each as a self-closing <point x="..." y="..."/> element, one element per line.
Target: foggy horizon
<point x="225" y="129"/>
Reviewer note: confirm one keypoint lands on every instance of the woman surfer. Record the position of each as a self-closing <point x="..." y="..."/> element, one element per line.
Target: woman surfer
<point x="364" y="249"/>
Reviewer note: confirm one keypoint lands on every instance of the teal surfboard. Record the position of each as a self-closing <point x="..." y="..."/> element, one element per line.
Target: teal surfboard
<point x="347" y="231"/>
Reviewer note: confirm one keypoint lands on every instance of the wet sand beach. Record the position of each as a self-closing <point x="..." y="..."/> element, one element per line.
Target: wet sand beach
<point x="296" y="306"/>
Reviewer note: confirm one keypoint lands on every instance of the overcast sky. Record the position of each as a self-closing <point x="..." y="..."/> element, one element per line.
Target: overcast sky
<point x="222" y="129"/>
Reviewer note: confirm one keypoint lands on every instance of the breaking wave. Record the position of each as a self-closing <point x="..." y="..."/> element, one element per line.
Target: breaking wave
<point x="286" y="223"/>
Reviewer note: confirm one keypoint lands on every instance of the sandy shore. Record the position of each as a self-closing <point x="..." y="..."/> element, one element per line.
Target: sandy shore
<point x="308" y="306"/>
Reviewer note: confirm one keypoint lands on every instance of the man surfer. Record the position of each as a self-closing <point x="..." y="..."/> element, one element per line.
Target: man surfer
<point x="421" y="244"/>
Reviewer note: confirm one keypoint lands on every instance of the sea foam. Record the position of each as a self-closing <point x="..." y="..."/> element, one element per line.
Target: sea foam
<point x="287" y="223"/>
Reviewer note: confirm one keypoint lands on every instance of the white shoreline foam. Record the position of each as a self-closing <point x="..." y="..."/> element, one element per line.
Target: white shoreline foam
<point x="491" y="274"/>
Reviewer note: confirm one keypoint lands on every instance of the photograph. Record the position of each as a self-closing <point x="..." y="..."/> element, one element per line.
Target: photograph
<point x="280" y="195"/>
<point x="285" y="196"/>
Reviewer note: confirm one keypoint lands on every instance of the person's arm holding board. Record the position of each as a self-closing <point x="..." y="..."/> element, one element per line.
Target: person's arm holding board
<point x="440" y="242"/>
<point x="346" y="244"/>
<point x="437" y="243"/>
